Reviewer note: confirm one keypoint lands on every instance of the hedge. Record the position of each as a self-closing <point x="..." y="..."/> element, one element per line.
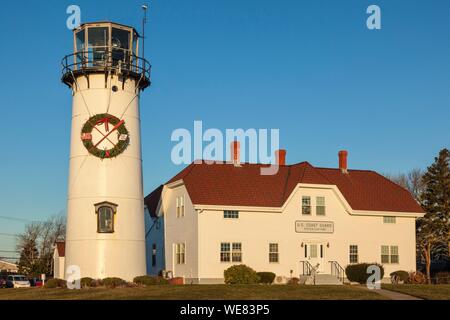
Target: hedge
<point x="240" y="274"/>
<point x="358" y="272"/>
<point x="400" y="275"/>
<point x="266" y="277"/>
<point x="113" y="282"/>
<point x="150" y="280"/>
<point x="55" y="283"/>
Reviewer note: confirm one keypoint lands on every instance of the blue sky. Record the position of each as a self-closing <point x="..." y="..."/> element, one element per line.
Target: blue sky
<point x="310" y="68"/>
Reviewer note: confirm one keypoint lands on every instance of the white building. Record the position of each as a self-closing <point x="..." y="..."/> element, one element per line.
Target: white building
<point x="210" y="217"/>
<point x="59" y="260"/>
<point x="8" y="267"/>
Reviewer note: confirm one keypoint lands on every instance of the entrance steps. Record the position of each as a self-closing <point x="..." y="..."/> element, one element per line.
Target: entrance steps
<point x="323" y="280"/>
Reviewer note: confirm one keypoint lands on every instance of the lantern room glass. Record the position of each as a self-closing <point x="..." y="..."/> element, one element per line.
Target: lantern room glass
<point x="98" y="43"/>
<point x="120" y="45"/>
<point x="106" y="44"/>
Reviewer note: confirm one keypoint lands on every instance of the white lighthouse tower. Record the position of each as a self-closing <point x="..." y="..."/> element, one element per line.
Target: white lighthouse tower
<point x="105" y="209"/>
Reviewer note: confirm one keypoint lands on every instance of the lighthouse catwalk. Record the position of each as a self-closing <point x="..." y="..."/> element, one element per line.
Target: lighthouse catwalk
<point x="105" y="207"/>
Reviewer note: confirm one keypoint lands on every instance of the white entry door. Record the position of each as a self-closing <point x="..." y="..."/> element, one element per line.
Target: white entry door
<point x="314" y="254"/>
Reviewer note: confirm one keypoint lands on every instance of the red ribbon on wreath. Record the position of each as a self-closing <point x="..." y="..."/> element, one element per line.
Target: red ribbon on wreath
<point x="104" y="121"/>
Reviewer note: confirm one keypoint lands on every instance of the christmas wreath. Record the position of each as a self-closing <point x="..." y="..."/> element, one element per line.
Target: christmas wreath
<point x="107" y="120"/>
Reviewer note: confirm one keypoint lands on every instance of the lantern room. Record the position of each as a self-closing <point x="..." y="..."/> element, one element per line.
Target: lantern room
<point x="106" y="47"/>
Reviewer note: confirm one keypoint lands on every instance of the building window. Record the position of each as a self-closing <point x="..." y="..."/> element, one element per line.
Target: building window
<point x="394" y="254"/>
<point x="389" y="220"/>
<point x="306" y="205"/>
<point x="236" y="254"/>
<point x="154" y="255"/>
<point x="180" y="253"/>
<point x="384" y="254"/>
<point x="105" y="216"/>
<point x="273" y="252"/>
<point x="180" y="206"/>
<point x="225" y="252"/>
<point x="229" y="214"/>
<point x="389" y="254"/>
<point x="230" y="252"/>
<point x="353" y="254"/>
<point x="320" y="206"/>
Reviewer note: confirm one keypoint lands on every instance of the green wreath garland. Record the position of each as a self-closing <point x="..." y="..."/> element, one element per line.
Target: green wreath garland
<point x="104" y="118"/>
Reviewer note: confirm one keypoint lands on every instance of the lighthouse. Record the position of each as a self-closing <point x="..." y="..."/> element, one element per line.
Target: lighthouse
<point x="105" y="207"/>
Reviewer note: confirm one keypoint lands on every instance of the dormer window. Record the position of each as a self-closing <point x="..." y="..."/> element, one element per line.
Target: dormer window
<point x="320" y="206"/>
<point x="306" y="205"/>
<point x="180" y="207"/>
<point x="105" y="216"/>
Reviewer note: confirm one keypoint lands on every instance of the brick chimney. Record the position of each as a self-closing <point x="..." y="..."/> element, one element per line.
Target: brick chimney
<point x="280" y="156"/>
<point x="343" y="161"/>
<point x="236" y="153"/>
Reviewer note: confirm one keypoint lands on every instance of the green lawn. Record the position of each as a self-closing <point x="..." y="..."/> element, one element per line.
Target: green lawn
<point x="198" y="292"/>
<point x="429" y="292"/>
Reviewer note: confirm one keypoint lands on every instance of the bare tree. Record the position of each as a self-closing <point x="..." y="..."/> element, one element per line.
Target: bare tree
<point x="36" y="245"/>
<point x="411" y="181"/>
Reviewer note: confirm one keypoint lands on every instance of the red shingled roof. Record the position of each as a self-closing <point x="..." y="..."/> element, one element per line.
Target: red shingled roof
<point x="61" y="247"/>
<point x="220" y="184"/>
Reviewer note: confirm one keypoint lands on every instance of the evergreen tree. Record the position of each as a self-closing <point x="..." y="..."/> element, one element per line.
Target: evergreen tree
<point x="29" y="258"/>
<point x="434" y="228"/>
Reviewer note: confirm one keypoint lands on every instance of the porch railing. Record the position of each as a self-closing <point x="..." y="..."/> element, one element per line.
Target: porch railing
<point x="337" y="270"/>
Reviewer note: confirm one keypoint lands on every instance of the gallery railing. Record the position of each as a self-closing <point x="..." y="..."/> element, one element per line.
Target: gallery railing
<point x="102" y="59"/>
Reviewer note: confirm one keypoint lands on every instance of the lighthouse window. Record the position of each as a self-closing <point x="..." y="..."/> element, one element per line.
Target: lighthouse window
<point x="80" y="46"/>
<point x="120" y="38"/>
<point x="98" y="45"/>
<point x="98" y="37"/>
<point x="105" y="220"/>
<point x="120" y="42"/>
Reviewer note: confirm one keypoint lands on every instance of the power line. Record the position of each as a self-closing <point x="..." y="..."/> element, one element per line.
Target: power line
<point x="18" y="219"/>
<point x="8" y="234"/>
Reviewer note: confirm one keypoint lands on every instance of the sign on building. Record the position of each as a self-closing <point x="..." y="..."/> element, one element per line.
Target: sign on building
<point x="314" y="226"/>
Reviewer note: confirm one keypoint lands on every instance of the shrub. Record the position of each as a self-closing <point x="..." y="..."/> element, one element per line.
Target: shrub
<point x="417" y="278"/>
<point x="87" y="282"/>
<point x="266" y="277"/>
<point x="293" y="281"/>
<point x="55" y="283"/>
<point x="399" y="275"/>
<point x="113" y="282"/>
<point x="358" y="272"/>
<point x="442" y="278"/>
<point x="240" y="274"/>
<point x="150" y="280"/>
